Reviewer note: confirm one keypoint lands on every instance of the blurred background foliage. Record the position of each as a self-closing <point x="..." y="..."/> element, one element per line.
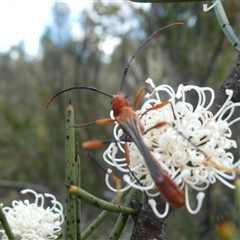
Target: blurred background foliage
<point x="32" y="139"/>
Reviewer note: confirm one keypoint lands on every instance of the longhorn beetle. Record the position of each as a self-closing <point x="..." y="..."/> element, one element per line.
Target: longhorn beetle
<point x="125" y="116"/>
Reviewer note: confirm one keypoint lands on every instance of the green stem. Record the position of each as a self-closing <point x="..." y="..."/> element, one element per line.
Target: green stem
<point x="97" y="202"/>
<point x="226" y="27"/>
<point x="70" y="225"/>
<point x="6" y="225"/>
<point x="122" y="219"/>
<point x="91" y="228"/>
<point x="78" y="183"/>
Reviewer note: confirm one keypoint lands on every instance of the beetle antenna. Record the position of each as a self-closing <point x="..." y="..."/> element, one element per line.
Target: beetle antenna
<point x="74" y="88"/>
<point x="146" y="41"/>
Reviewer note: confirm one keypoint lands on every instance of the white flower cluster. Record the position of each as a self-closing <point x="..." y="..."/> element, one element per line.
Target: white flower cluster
<point x="32" y="221"/>
<point x="192" y="147"/>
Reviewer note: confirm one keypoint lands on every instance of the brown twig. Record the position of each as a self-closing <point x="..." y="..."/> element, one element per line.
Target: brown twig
<point x="232" y="82"/>
<point x="146" y="224"/>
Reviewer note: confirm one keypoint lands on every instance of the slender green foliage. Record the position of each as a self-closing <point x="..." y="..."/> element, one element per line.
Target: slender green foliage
<point x="101" y="217"/>
<point x="226" y="27"/>
<point x="70" y="224"/>
<point x="78" y="183"/>
<point x="97" y="202"/>
<point x="122" y="219"/>
<point x="5" y="225"/>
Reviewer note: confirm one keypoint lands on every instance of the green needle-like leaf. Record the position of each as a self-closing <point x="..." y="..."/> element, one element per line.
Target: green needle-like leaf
<point x="70" y="224"/>
<point x="5" y="225"/>
<point x="122" y="219"/>
<point x="97" y="202"/>
<point x="101" y="217"/>
<point x="78" y="183"/>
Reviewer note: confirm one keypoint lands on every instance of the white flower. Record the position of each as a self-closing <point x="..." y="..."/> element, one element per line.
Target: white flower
<point x="192" y="147"/>
<point x="32" y="221"/>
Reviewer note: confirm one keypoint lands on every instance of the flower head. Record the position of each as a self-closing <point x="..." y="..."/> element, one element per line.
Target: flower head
<point x="192" y="147"/>
<point x="33" y="221"/>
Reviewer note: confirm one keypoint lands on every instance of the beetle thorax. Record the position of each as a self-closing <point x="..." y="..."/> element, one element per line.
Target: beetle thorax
<point x="119" y="101"/>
